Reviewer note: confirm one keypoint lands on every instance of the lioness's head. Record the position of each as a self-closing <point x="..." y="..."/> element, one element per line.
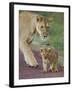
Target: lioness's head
<point x="42" y="26"/>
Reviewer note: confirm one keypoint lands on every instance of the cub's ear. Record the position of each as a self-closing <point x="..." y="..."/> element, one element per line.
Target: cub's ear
<point x="49" y="49"/>
<point x="41" y="50"/>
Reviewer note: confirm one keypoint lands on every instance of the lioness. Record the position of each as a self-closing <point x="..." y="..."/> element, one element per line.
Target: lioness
<point x="49" y="56"/>
<point x="29" y="24"/>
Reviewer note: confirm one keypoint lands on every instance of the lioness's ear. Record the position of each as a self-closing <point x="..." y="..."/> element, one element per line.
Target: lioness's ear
<point x="47" y="24"/>
<point x="37" y="18"/>
<point x="41" y="19"/>
<point x="45" y="49"/>
<point x="50" y="19"/>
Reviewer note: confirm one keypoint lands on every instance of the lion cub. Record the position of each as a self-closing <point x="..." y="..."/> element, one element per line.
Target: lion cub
<point x="49" y="56"/>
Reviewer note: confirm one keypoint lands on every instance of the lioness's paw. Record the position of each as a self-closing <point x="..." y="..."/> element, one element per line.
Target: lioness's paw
<point x="33" y="66"/>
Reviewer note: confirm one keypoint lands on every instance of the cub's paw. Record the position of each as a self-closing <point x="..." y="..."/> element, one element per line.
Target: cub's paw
<point x="44" y="71"/>
<point x="49" y="70"/>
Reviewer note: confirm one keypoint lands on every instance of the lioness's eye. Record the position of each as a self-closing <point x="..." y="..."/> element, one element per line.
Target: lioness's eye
<point x="41" y="26"/>
<point x="37" y="19"/>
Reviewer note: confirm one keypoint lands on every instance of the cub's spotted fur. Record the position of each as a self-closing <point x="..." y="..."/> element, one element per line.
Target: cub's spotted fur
<point x="49" y="56"/>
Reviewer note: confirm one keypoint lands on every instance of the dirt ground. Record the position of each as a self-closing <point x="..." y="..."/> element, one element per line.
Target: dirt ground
<point x="26" y="72"/>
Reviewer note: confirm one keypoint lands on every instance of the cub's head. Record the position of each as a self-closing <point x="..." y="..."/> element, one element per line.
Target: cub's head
<point x="48" y="52"/>
<point x="43" y="52"/>
<point x="42" y="26"/>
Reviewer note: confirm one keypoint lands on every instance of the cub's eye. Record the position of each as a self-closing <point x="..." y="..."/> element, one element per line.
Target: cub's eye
<point x="41" y="26"/>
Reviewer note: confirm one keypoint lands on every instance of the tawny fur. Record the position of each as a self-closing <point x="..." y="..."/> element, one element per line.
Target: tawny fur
<point x="49" y="56"/>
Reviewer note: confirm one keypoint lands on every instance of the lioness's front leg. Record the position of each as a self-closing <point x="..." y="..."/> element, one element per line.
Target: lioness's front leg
<point x="28" y="54"/>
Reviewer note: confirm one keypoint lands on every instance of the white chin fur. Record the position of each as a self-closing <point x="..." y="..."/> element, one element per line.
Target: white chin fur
<point x="43" y="38"/>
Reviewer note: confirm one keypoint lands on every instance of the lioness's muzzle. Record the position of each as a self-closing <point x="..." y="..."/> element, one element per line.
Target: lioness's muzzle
<point x="45" y="34"/>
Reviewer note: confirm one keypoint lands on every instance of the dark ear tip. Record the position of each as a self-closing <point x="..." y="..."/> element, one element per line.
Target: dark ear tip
<point x="49" y="50"/>
<point x="41" y="50"/>
<point x="41" y="18"/>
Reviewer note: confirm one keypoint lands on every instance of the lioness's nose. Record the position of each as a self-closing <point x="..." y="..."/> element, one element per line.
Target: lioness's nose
<point x="45" y="34"/>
